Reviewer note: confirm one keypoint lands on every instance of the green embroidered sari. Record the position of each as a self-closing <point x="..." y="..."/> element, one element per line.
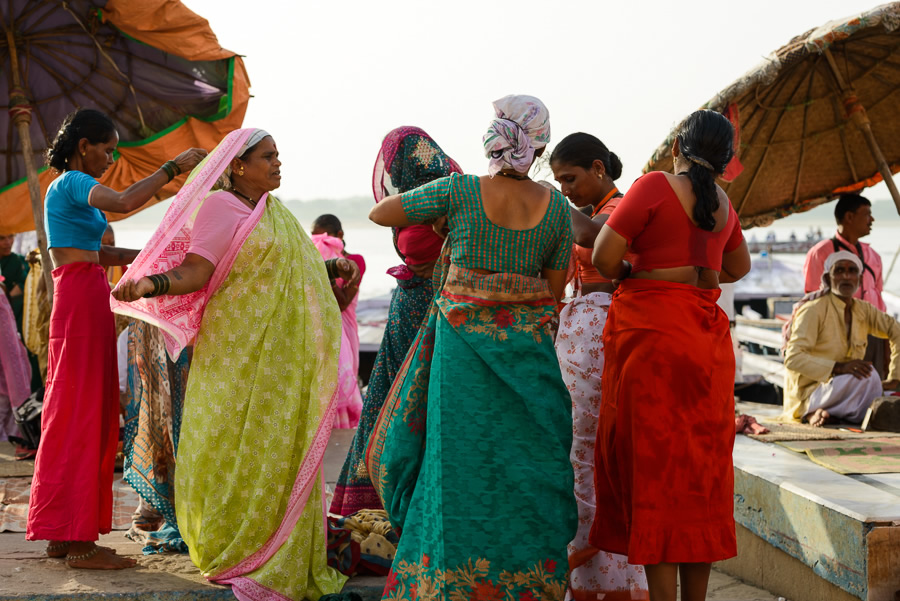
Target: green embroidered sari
<point x="470" y="454"/>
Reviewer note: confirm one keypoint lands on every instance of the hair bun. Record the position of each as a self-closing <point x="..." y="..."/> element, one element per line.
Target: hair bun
<point x="614" y="167"/>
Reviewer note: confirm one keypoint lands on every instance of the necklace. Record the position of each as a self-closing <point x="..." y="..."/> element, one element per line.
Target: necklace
<point x="245" y="197"/>
<point x="513" y="175"/>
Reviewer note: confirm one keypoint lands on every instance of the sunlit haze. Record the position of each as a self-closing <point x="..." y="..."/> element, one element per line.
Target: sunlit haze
<point x="329" y="79"/>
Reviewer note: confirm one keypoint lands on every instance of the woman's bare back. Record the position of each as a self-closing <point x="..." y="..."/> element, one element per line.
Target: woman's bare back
<point x="514" y="204"/>
<point x="693" y="275"/>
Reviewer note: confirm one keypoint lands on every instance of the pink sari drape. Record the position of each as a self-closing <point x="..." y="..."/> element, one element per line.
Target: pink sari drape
<point x="349" y="397"/>
<point x="179" y="317"/>
<point x="15" y="371"/>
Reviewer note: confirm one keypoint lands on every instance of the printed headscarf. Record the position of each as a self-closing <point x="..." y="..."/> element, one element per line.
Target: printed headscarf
<point x="409" y="158"/>
<point x="522" y="126"/>
<point x="824" y="288"/>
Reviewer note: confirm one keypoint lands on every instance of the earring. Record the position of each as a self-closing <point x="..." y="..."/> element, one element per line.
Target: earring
<point x="83" y="154"/>
<point x="600" y="176"/>
<point x="241" y="172"/>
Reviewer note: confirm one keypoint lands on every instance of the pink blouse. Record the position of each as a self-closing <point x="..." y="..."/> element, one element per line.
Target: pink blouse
<point x="216" y="224"/>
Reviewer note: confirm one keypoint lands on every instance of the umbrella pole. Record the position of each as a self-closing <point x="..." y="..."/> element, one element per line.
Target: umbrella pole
<point x="857" y="113"/>
<point x="20" y="113"/>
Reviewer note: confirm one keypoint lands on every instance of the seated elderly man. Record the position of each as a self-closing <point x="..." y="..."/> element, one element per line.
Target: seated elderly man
<point x="825" y="375"/>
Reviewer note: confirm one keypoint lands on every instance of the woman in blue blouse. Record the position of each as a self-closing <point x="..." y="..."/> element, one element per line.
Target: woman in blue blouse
<point x="71" y="494"/>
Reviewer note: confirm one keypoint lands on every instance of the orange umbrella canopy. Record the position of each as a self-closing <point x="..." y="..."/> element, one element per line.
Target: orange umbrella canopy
<point x="800" y="117"/>
<point x="154" y="66"/>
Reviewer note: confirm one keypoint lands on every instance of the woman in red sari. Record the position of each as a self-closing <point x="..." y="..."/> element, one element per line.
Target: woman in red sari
<point x="664" y="475"/>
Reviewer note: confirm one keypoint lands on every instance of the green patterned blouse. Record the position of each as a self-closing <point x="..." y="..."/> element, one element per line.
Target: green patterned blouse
<point x="478" y="243"/>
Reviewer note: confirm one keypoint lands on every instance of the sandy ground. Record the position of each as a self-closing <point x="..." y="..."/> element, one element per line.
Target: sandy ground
<point x="26" y="572"/>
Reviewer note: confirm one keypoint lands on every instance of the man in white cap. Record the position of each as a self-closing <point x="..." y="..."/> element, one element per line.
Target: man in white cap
<point x="826" y="376"/>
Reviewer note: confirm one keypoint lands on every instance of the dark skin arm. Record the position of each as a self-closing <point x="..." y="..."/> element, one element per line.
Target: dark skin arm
<point x="735" y="264"/>
<point x="113" y="255"/>
<point x="193" y="274"/>
<point x="138" y="193"/>
<point x="345" y="295"/>
<point x="586" y="229"/>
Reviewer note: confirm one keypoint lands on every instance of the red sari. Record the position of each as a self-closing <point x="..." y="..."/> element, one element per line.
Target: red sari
<point x="664" y="475"/>
<point x="71" y="494"/>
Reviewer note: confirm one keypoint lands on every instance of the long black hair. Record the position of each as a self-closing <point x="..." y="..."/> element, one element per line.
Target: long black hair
<point x="706" y="139"/>
<point x="581" y="149"/>
<point x="83" y="123"/>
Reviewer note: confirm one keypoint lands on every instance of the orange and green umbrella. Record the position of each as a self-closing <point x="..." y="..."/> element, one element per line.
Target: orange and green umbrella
<point x="154" y="66"/>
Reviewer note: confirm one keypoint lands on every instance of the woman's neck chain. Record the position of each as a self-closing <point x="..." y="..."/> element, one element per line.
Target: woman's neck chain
<point x="245" y="197"/>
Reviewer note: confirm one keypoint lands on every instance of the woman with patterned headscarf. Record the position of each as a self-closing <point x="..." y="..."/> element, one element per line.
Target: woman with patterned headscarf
<point x="470" y="458"/>
<point x="408" y="158"/>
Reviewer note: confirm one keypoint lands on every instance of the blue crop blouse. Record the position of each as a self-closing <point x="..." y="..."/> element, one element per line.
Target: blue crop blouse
<point x="71" y="221"/>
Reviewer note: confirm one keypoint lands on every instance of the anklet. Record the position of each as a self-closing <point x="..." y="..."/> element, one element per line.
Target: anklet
<point x="57" y="547"/>
<point x="83" y="556"/>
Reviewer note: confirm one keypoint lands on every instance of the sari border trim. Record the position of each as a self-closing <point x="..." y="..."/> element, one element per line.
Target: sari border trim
<point x="303" y="485"/>
<point x="247" y="589"/>
<point x="475" y="300"/>
<point x="375" y="448"/>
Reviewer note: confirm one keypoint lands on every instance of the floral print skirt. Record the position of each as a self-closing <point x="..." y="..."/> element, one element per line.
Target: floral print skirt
<point x="579" y="346"/>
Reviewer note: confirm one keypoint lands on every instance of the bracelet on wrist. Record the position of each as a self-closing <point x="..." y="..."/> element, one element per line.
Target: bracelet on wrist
<point x="167" y="169"/>
<point x="161" y="284"/>
<point x="331" y="269"/>
<point x="175" y="167"/>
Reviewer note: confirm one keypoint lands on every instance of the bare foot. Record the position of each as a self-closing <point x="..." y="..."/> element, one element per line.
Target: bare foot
<point x="91" y="557"/>
<point x="57" y="549"/>
<point x="819" y="418"/>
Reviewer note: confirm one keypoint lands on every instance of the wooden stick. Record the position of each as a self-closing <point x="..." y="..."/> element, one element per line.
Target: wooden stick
<point x="861" y="120"/>
<point x="34" y="186"/>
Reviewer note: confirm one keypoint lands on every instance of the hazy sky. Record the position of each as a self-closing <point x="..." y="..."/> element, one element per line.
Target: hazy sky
<point x="330" y="78"/>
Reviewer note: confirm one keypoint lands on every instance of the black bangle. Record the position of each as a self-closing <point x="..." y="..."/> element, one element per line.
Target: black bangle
<point x="161" y="284"/>
<point x="331" y="268"/>
<point x="167" y="168"/>
<point x="175" y="168"/>
<point x="628" y="267"/>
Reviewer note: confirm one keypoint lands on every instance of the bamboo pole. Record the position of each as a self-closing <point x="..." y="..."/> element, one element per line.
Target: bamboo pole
<point x="856" y="112"/>
<point x="20" y="113"/>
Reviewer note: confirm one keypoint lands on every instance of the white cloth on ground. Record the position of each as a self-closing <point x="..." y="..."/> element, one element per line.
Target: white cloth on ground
<point x="846" y="397"/>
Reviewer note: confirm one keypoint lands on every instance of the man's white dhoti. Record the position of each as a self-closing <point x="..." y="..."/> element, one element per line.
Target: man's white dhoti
<point x="845" y="397"/>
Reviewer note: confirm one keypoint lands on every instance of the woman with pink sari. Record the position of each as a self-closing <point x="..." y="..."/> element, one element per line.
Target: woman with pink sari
<point x="15" y="371"/>
<point x="234" y="273"/>
<point x="328" y="236"/>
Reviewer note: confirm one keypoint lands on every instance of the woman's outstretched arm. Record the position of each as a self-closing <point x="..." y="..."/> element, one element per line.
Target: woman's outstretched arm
<point x="137" y="194"/>
<point x="192" y="275"/>
<point x="389" y="213"/>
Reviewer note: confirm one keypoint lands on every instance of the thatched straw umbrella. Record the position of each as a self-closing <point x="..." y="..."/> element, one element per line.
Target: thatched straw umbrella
<point x="818" y="117"/>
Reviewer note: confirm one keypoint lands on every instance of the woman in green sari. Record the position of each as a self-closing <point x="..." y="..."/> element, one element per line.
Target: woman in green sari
<point x="235" y="270"/>
<point x="470" y="454"/>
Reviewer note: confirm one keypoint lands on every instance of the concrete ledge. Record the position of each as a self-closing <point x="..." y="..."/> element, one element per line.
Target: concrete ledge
<point x="842" y="529"/>
<point x="760" y="564"/>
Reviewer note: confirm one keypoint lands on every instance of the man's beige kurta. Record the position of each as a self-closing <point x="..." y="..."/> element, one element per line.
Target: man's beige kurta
<point x="819" y="340"/>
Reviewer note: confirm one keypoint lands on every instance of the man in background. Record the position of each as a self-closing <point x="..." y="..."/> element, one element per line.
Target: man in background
<point x="853" y="214"/>
<point x="14" y="269"/>
<point x="826" y="376"/>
